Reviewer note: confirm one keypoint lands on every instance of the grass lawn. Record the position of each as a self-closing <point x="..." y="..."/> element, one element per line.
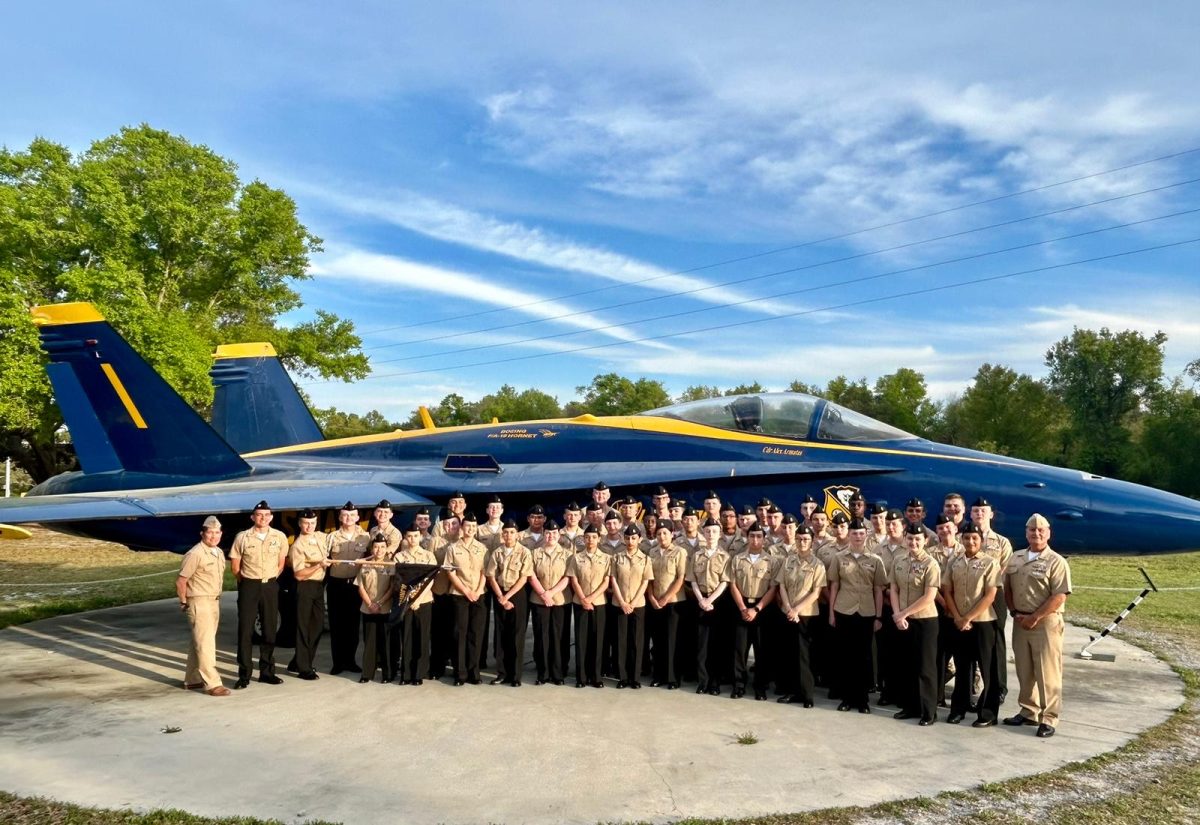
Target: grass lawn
<point x="1155" y="779"/>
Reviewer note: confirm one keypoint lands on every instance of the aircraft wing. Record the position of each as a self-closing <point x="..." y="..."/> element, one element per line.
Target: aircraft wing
<point x="202" y="499"/>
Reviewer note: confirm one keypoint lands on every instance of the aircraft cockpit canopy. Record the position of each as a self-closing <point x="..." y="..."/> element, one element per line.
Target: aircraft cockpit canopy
<point x="786" y="414"/>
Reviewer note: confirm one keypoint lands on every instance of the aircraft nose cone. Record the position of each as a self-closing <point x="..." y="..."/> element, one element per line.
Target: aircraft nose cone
<point x="1131" y="515"/>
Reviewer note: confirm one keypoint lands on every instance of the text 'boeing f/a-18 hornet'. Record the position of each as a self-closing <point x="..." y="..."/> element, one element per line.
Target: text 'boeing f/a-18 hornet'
<point x="150" y="465"/>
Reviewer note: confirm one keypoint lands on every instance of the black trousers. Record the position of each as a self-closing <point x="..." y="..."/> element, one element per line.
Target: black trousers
<point x="887" y="657"/>
<point x="713" y="651"/>
<point x="1000" y="655"/>
<point x="610" y="639"/>
<point x="795" y="663"/>
<point x="376" y="646"/>
<point x="686" y="639"/>
<point x="257" y="599"/>
<point x="663" y="625"/>
<point x="589" y="642"/>
<point x="414" y="643"/>
<point x="510" y="637"/>
<point x="631" y="638"/>
<point x="488" y="633"/>
<point x="285" y="636"/>
<point x="745" y="636"/>
<point x="441" y="645"/>
<point x="567" y="638"/>
<point x="919" y="667"/>
<point x="344" y="619"/>
<point x="548" y="641"/>
<point x="468" y="636"/>
<point x="976" y="646"/>
<point x="310" y="622"/>
<point x="825" y="673"/>
<point x="853" y="636"/>
<point x="945" y="652"/>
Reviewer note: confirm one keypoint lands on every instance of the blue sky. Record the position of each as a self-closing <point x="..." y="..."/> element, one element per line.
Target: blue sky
<point x="480" y="166"/>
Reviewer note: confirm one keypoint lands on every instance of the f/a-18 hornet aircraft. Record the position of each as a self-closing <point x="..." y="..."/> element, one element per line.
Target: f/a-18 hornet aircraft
<point x="150" y="465"/>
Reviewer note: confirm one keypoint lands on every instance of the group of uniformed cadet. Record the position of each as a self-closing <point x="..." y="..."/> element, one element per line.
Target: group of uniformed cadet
<point x="864" y="600"/>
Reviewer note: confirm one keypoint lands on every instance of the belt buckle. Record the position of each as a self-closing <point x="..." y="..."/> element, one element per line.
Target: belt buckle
<point x="264" y="581"/>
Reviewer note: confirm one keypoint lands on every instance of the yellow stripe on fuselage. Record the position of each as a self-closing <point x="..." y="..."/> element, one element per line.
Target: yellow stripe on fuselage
<point x="666" y="426"/>
<point x="124" y="396"/>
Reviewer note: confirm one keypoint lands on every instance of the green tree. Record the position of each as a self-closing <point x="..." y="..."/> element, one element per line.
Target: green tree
<point x="807" y="389"/>
<point x="901" y="399"/>
<point x="506" y="404"/>
<point x="853" y="394"/>
<point x="746" y="389"/>
<point x="1106" y="380"/>
<point x="452" y="411"/>
<point x="698" y="392"/>
<point x="172" y="247"/>
<point x="1166" y="452"/>
<point x="613" y="394"/>
<point x="337" y="424"/>
<point x="1008" y="413"/>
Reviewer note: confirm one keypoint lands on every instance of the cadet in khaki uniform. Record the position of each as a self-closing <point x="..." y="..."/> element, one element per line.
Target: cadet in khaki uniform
<point x="346" y="544"/>
<point x="467" y="586"/>
<point x="969" y="590"/>
<point x="490" y="530"/>
<point x="383" y="526"/>
<point x="551" y="601"/>
<point x="1000" y="549"/>
<point x="878" y="532"/>
<point x="1036" y="586"/>
<point x="856" y="584"/>
<point x="508" y="569"/>
<point x="808" y="506"/>
<point x="415" y="635"/>
<point x="455" y="506"/>
<point x="665" y="596"/>
<point x="199" y="589"/>
<point x="571" y="538"/>
<point x="800" y="579"/>
<point x="914" y="512"/>
<point x="489" y="536"/>
<point x="916" y="580"/>
<point x="712" y="506"/>
<point x="708" y="577"/>
<point x="309" y="563"/>
<point x="689" y="540"/>
<point x="943" y="551"/>
<point x="257" y="559"/>
<point x="631" y="575"/>
<point x="442" y="644"/>
<point x="751" y="582"/>
<point x="887" y="640"/>
<point x="376" y="587"/>
<point x="589" y="573"/>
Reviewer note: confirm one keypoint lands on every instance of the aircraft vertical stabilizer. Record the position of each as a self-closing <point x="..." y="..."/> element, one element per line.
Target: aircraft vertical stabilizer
<point x="256" y="406"/>
<point x="122" y="415"/>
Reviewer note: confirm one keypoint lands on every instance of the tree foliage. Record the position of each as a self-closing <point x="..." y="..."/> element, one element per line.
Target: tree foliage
<point x="172" y="247"/>
<point x="613" y="394"/>
<point x="1007" y="413"/>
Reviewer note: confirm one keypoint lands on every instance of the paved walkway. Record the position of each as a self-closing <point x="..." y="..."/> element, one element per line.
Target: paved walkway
<point x="83" y="700"/>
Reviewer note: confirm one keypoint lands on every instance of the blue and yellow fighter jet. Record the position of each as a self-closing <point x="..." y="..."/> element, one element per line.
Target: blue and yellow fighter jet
<point x="152" y="467"/>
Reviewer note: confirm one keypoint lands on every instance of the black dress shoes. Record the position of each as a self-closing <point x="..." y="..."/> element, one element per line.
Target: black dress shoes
<point x="808" y="704"/>
<point x="845" y="706"/>
<point x="309" y="676"/>
<point x="497" y="680"/>
<point x="622" y="685"/>
<point x="760" y="696"/>
<point x="1045" y="731"/>
<point x="636" y="685"/>
<point x="354" y="668"/>
<point x="1018" y="720"/>
<point x="459" y="682"/>
<point x="904" y="714"/>
<point x="270" y="679"/>
<point x="865" y="709"/>
<point x="580" y="684"/>
<point x="655" y="683"/>
<point x="241" y="684"/>
<point x="926" y="721"/>
<point x="955" y="718"/>
<point x="362" y="680"/>
<point x="335" y="671"/>
<point x="983" y="723"/>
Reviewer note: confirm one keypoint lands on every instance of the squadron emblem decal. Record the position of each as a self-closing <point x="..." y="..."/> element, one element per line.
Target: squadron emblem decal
<point x="837" y="499"/>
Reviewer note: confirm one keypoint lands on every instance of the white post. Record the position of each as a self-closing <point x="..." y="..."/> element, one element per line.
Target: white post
<point x="7" y="477"/>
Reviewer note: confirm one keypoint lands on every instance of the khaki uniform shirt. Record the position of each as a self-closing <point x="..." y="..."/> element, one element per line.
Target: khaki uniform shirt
<point x="889" y="553"/>
<point x="856" y="580"/>
<point x="509" y="567"/>
<point x="969" y="578"/>
<point x="732" y="544"/>
<point x="1000" y="549"/>
<point x="944" y="555"/>
<point x="418" y="556"/>
<point x="376" y="581"/>
<point x="308" y="550"/>
<point x="629" y="571"/>
<point x="468" y="558"/>
<point x="689" y="546"/>
<point x="611" y="548"/>
<point x="549" y="567"/>
<point x="260" y="557"/>
<point x="825" y="548"/>
<point x="439" y="529"/>
<point x="573" y="542"/>
<point x="912" y="577"/>
<point x="669" y="565"/>
<point x="343" y="548"/>
<point x="441" y="581"/>
<point x="530" y="540"/>
<point x="590" y="570"/>
<point x="798" y="576"/>
<point x="754" y="578"/>
<point x="708" y="571"/>
<point x="204" y="568"/>
<point x="393" y="536"/>
<point x="1032" y="582"/>
<point x="489" y="535"/>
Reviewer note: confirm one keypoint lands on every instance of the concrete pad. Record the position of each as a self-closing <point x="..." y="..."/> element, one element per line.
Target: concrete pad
<point x="83" y="700"/>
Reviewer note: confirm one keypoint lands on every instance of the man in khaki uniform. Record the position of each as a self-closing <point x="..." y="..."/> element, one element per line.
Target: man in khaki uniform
<point x="551" y="601"/>
<point x="376" y="589"/>
<point x="571" y="534"/>
<point x="347" y="544"/>
<point x="914" y="512"/>
<point x="730" y="537"/>
<point x="257" y="559"/>
<point x="383" y="526"/>
<point x="467" y="585"/>
<point x="415" y="635"/>
<point x="309" y="563"/>
<point x="601" y="495"/>
<point x="1036" y="586"/>
<point x="707" y="576"/>
<point x="969" y="591"/>
<point x="916" y="580"/>
<point x="808" y="506"/>
<point x="665" y="596"/>
<point x="944" y="550"/>
<point x="800" y="579"/>
<point x="589" y="572"/>
<point x="856" y="584"/>
<point x="751" y="582"/>
<point x="999" y="548"/>
<point x="442" y="645"/>
<point x="508" y="569"/>
<point x="455" y="506"/>
<point x="199" y="589"/>
<point x="631" y="574"/>
<point x="877" y="535"/>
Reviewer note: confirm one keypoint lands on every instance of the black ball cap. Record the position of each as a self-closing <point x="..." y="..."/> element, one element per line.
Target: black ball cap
<point x="612" y="515"/>
<point x="914" y="530"/>
<point x="712" y="494"/>
<point x="728" y="508"/>
<point x="858" y="497"/>
<point x="573" y="506"/>
<point x="591" y="528"/>
<point x="348" y="506"/>
<point x="772" y="510"/>
<point x="551" y="524"/>
<point x="600" y="485"/>
<point x="981" y="502"/>
<point x="457" y="494"/>
<point x="915" y="503"/>
<point x="878" y="509"/>
<point x="755" y="528"/>
<point x="788" y="518"/>
<point x="665" y="524"/>
<point x="494" y="499"/>
<point x="660" y="491"/>
<point x="632" y="531"/>
<point x="942" y="518"/>
<point x="894" y="515"/>
<point x="710" y="522"/>
<point x="858" y="524"/>
<point x="509" y="524"/>
<point x="593" y="507"/>
<point x="805" y="530"/>
<point x="424" y="511"/>
<point x="679" y="503"/>
<point x="972" y="529"/>
<point x="688" y="511"/>
<point x="764" y="502"/>
<point x="537" y="510"/>
<point x="380" y="538"/>
<point x="840" y="518"/>
<point x="469" y="517"/>
<point x="308" y="514"/>
<point x="808" y="499"/>
<point x="746" y="510"/>
<point x="262" y="505"/>
<point x="383" y="504"/>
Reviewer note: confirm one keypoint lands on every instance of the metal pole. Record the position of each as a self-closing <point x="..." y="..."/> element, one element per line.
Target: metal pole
<point x="1086" y="653"/>
<point x="7" y="477"/>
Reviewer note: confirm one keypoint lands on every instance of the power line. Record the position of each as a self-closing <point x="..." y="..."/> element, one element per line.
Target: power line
<point x="815" y="242"/>
<point x="847" y="305"/>
<point x="789" y="270"/>
<point x="802" y="290"/>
